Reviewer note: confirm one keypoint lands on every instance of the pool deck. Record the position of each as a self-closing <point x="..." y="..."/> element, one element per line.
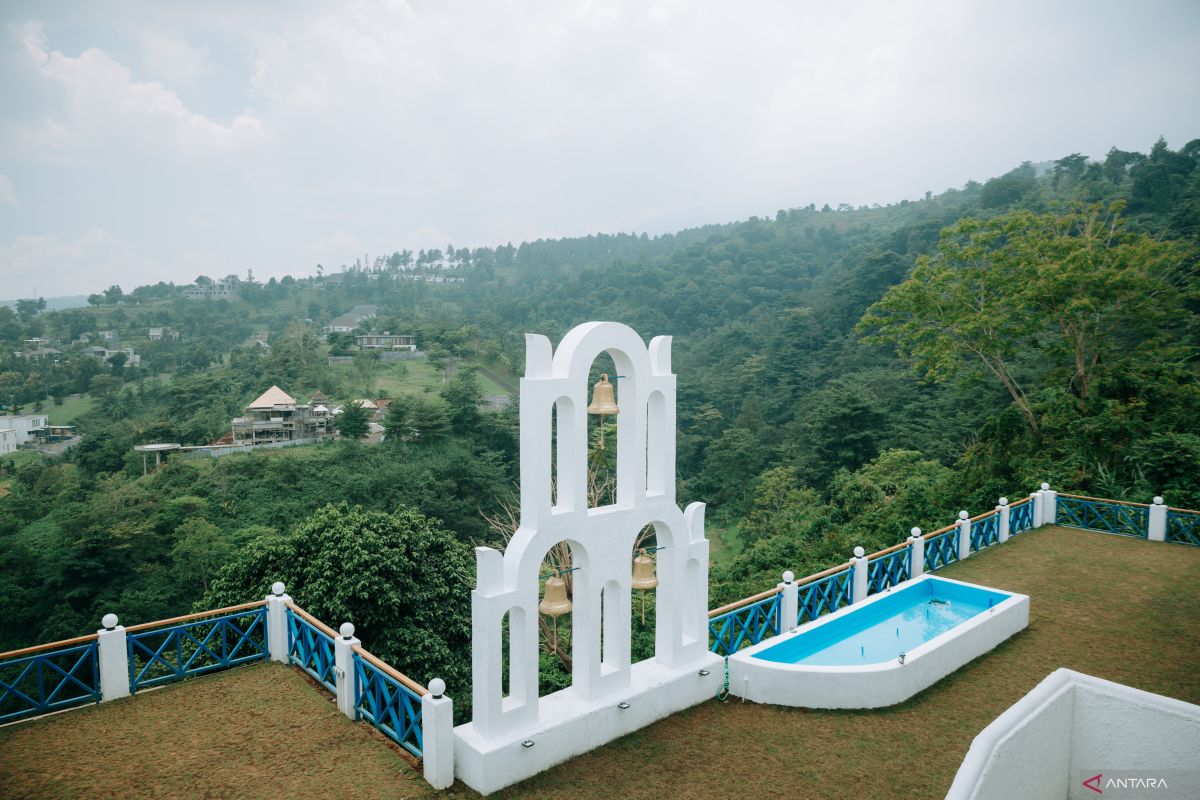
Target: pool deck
<point x="1122" y="609"/>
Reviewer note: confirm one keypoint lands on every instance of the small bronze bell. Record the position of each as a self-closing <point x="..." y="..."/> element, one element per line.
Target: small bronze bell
<point x="555" y="602"/>
<point x="603" y="403"/>
<point x="643" y="577"/>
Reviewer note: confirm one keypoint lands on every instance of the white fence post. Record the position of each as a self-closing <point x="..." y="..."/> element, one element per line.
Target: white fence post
<point x="1049" y="506"/>
<point x="789" y="603"/>
<point x="859" y="587"/>
<point x="437" y="735"/>
<point x="916" y="553"/>
<point x="1002" y="512"/>
<point x="343" y="669"/>
<point x="964" y="535"/>
<point x="1157" y="523"/>
<point x="113" y="658"/>
<point x="277" y="626"/>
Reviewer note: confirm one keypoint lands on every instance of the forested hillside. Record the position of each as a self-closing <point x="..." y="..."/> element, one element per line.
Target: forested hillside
<point x="843" y="375"/>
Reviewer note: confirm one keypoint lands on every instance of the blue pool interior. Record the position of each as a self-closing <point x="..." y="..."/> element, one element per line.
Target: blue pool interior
<point x="886" y="628"/>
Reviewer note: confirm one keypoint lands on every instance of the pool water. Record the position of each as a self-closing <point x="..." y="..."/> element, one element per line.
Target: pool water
<point x="882" y="630"/>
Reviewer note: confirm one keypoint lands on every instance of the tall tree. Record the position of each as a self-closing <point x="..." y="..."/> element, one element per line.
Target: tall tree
<point x="352" y="423"/>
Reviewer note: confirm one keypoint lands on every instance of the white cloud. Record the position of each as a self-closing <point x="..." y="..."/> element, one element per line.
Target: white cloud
<point x="105" y="103"/>
<point x="52" y="266"/>
<point x="172" y="59"/>
<point x="8" y="195"/>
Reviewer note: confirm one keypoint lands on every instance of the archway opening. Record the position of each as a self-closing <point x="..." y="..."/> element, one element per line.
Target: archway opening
<point x="555" y="641"/>
<point x="602" y="438"/>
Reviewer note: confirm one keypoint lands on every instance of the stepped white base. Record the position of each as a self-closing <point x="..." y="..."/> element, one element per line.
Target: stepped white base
<point x="569" y="725"/>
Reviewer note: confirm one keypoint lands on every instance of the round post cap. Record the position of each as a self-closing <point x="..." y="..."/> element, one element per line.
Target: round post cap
<point x="963" y="515"/>
<point x="859" y="552"/>
<point x="788" y="576"/>
<point x="1045" y="486"/>
<point x="1003" y="501"/>
<point x="437" y="687"/>
<point x="277" y="588"/>
<point x="1158" y="501"/>
<point x="915" y="532"/>
<point x="109" y="621"/>
<point x="347" y="630"/>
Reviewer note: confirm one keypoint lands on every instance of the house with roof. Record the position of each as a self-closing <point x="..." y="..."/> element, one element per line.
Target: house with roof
<point x="206" y="288"/>
<point x="352" y="319"/>
<point x="385" y="341"/>
<point x="158" y="334"/>
<point x="275" y="416"/>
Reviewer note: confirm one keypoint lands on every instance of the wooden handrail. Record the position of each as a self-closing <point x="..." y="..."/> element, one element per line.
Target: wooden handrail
<point x="316" y="623"/>
<point x="1183" y="510"/>
<point x="887" y="550"/>
<point x="37" y="648"/>
<point x="1104" y="500"/>
<point x="188" y="617"/>
<point x="940" y="531"/>
<point x="745" y="601"/>
<point x="1020" y="502"/>
<point x="391" y="671"/>
<point x="754" y="598"/>
<point x="978" y="517"/>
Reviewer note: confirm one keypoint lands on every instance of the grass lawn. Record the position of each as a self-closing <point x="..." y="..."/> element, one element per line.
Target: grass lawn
<point x="409" y="378"/>
<point x="258" y="731"/>
<point x="73" y="407"/>
<point x="1118" y="608"/>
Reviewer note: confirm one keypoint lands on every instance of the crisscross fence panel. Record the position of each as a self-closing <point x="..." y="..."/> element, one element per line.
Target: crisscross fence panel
<point x="825" y="595"/>
<point x="888" y="570"/>
<point x="746" y="625"/>
<point x="47" y="680"/>
<point x="310" y="646"/>
<point x="1125" y="519"/>
<point x="388" y="700"/>
<point x="161" y="653"/>
<point x="1020" y="517"/>
<point x="941" y="548"/>
<point x="985" y="531"/>
<point x="1183" y="526"/>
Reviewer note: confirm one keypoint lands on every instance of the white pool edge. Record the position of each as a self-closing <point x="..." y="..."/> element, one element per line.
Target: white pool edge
<point x="874" y="685"/>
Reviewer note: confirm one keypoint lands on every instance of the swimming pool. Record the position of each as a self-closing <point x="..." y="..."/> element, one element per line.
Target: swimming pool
<point x="880" y="651"/>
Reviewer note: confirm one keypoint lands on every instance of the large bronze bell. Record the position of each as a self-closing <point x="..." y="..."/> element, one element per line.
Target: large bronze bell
<point x="603" y="403"/>
<point x="643" y="577"/>
<point x="555" y="602"/>
<point x="643" y="571"/>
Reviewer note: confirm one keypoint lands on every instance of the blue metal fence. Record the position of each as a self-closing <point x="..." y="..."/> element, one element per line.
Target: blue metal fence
<point x="823" y="596"/>
<point x="311" y="649"/>
<point x="388" y="704"/>
<point x="985" y="532"/>
<point x="1020" y="517"/>
<point x="1111" y="517"/>
<point x="1183" y="526"/>
<point x="49" y="680"/>
<point x="744" y="626"/>
<point x="162" y="655"/>
<point x="888" y="570"/>
<point x="941" y="550"/>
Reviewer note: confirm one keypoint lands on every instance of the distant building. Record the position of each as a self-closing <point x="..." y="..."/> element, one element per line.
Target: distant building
<point x="26" y="427"/>
<point x="205" y="288"/>
<point x="385" y="341"/>
<point x="108" y="336"/>
<point x="158" y="334"/>
<point x="39" y="353"/>
<point x="276" y="417"/>
<point x="8" y="441"/>
<point x="352" y="319"/>
<point x="132" y="358"/>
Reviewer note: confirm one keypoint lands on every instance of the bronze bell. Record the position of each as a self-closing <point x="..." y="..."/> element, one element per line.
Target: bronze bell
<point x="643" y="571"/>
<point x="555" y="602"/>
<point x="603" y="402"/>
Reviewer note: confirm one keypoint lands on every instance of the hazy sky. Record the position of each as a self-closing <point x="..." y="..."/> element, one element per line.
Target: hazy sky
<point x="154" y="141"/>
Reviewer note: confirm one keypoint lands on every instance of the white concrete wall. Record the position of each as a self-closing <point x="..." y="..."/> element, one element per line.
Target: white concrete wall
<point x="8" y="441"/>
<point x="1072" y="726"/>
<point x="25" y="425"/>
